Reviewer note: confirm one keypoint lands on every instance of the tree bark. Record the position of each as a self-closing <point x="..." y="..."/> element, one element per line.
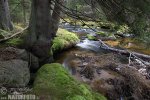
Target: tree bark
<point x="38" y="38"/>
<point x="43" y="26"/>
<point x="55" y="17"/>
<point x="5" y="21"/>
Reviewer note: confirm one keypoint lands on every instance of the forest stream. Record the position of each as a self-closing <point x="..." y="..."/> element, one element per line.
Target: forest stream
<point x="74" y="50"/>
<point x="90" y="64"/>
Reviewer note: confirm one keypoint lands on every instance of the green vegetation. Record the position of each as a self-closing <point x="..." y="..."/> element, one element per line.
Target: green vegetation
<point x="14" y="42"/>
<point x="53" y="80"/>
<point x="123" y="29"/>
<point x="19" y="10"/>
<point x="107" y="24"/>
<point x="83" y="24"/>
<point x="64" y="39"/>
<point x="103" y="34"/>
<point x="90" y="37"/>
<point x="141" y="30"/>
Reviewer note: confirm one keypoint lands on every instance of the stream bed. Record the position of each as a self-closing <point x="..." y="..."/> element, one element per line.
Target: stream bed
<point x="90" y="64"/>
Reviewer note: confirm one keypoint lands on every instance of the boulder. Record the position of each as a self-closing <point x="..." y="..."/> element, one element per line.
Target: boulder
<point x="9" y="53"/>
<point x="15" y="66"/>
<point x="14" y="73"/>
<point x="55" y="83"/>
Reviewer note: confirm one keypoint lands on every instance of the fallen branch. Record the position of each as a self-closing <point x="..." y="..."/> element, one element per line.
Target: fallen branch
<point x="5" y="39"/>
<point x="126" y="52"/>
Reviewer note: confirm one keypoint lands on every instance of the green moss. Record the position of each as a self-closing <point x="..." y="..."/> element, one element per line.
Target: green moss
<point x="103" y="34"/>
<point x="76" y="97"/>
<point x="84" y="24"/>
<point x="123" y="29"/>
<point x="141" y="29"/>
<point x="139" y="26"/>
<point x="90" y="37"/>
<point x="54" y="81"/>
<point x="14" y="42"/>
<point x="64" y="39"/>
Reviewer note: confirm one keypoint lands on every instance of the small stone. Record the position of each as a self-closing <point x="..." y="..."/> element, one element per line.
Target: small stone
<point x="76" y="54"/>
<point x="85" y="63"/>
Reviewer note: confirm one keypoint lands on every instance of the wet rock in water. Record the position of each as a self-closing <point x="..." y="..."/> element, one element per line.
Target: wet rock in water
<point x="85" y="63"/>
<point x="14" y="73"/>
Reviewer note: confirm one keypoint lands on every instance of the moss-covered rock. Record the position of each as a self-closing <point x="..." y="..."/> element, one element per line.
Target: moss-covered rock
<point x="102" y="34"/>
<point x="91" y="37"/>
<point x="64" y="39"/>
<point x="54" y="81"/>
<point x="106" y="34"/>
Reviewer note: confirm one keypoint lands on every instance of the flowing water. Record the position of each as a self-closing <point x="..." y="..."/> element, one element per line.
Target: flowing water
<point x="88" y="53"/>
<point x="85" y="46"/>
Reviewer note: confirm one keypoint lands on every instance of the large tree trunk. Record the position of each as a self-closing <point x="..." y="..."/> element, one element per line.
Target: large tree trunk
<point x="42" y="29"/>
<point x="38" y="39"/>
<point x="5" y="21"/>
